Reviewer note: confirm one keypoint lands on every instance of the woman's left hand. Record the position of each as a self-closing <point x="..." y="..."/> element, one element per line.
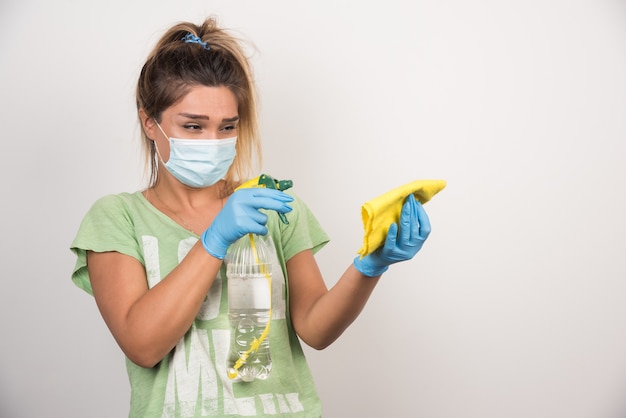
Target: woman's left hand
<point x="403" y="241"/>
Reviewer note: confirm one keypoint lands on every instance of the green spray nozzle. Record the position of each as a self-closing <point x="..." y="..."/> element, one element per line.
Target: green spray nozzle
<point x="271" y="183"/>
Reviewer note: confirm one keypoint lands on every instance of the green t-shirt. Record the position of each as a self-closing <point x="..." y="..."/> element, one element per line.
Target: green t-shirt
<point x="191" y="381"/>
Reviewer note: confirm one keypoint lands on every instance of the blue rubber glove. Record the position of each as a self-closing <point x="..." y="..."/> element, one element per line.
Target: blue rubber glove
<point x="402" y="242"/>
<point x="240" y="216"/>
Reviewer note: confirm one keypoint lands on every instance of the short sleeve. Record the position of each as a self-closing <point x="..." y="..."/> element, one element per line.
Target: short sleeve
<point x="107" y="226"/>
<point x="303" y="232"/>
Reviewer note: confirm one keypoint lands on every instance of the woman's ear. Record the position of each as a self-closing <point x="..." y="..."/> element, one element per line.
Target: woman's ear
<point x="148" y="124"/>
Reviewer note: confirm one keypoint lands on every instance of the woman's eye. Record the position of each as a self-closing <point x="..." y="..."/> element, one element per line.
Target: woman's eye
<point x="229" y="128"/>
<point x="192" y="126"/>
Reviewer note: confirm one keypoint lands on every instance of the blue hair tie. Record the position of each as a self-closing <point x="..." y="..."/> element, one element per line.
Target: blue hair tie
<point x="190" y="38"/>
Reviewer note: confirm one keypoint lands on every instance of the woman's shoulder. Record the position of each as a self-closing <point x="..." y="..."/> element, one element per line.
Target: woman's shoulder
<point x="118" y="202"/>
<point x="117" y="198"/>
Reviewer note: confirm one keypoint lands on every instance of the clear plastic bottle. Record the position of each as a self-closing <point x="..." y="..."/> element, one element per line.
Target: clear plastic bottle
<point x="249" y="281"/>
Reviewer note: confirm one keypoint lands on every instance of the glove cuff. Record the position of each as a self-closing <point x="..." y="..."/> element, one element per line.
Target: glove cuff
<point x="219" y="252"/>
<point x="367" y="269"/>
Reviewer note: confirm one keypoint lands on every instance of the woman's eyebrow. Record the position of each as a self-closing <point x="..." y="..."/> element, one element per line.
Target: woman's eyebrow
<point x="205" y="117"/>
<point x="193" y="116"/>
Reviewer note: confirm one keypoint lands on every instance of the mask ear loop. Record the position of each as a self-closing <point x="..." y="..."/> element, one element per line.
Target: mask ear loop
<point x="156" y="147"/>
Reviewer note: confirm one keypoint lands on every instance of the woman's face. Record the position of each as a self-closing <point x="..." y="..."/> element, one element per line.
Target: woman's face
<point x="203" y="113"/>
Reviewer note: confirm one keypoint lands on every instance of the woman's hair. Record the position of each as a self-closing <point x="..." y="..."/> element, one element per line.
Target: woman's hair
<point x="216" y="59"/>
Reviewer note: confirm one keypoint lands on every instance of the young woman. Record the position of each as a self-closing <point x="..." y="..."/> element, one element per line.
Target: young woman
<point x="153" y="259"/>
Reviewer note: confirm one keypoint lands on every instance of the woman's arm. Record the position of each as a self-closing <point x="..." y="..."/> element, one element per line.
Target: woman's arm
<point x="319" y="315"/>
<point x="148" y="323"/>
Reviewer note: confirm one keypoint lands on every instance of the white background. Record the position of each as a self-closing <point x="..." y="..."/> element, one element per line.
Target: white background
<point x="515" y="306"/>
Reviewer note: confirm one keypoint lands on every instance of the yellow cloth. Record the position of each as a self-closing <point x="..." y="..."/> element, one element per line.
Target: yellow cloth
<point x="385" y="209"/>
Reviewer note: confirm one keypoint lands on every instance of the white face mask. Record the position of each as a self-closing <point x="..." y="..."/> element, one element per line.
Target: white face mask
<point x="199" y="162"/>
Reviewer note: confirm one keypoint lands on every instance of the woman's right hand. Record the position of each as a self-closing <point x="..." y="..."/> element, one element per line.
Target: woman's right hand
<point x="240" y="216"/>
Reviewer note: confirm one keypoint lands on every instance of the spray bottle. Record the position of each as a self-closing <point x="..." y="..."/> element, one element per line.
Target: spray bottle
<point x="249" y="280"/>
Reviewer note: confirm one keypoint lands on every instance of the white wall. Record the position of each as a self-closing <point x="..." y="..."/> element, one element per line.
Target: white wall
<point x="514" y="308"/>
